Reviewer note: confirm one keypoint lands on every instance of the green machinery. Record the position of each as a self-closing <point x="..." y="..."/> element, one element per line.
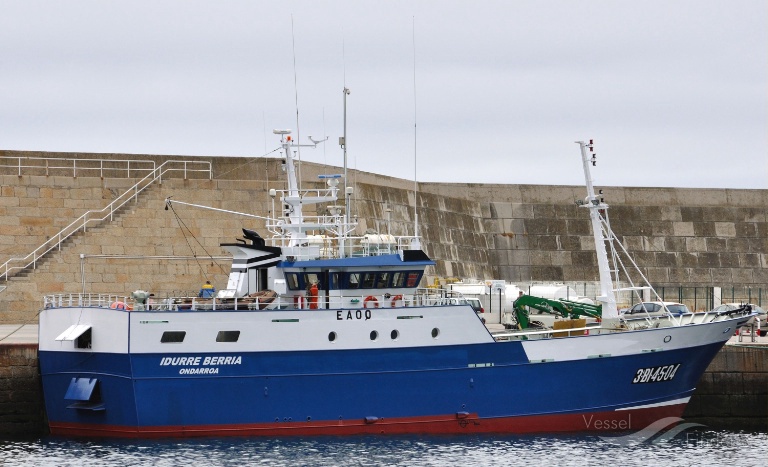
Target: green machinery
<point x="564" y="308"/>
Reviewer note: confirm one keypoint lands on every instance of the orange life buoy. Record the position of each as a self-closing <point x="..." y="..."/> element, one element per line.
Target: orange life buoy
<point x="299" y="301"/>
<point x="120" y="306"/>
<point x="395" y="299"/>
<point x="371" y="298"/>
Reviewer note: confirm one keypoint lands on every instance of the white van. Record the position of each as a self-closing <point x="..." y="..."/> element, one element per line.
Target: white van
<point x="477" y="306"/>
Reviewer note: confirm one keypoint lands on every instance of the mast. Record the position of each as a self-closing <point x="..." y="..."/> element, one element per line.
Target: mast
<point x="293" y="200"/>
<point x="415" y="242"/>
<point x="347" y="191"/>
<point x="596" y="205"/>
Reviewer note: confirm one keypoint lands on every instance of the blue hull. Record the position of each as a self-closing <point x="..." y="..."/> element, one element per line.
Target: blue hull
<point x="331" y="388"/>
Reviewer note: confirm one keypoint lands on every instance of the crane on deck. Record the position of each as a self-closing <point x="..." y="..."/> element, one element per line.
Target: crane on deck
<point x="563" y="308"/>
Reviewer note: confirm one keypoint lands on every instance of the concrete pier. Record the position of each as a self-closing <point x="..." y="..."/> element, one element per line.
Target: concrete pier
<point x="733" y="392"/>
<point x="22" y="411"/>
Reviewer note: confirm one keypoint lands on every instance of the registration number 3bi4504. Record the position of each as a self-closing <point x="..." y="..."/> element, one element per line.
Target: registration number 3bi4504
<point x="656" y="374"/>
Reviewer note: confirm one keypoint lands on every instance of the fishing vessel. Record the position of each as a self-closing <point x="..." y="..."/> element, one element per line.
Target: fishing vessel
<point x="318" y="332"/>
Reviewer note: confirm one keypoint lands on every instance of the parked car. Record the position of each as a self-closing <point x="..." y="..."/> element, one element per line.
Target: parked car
<point x="762" y="315"/>
<point x="655" y="309"/>
<point x="477" y="306"/>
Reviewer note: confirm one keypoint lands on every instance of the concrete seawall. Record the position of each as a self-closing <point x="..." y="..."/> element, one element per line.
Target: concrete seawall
<point x="22" y="412"/>
<point x="681" y="237"/>
<point x="733" y="392"/>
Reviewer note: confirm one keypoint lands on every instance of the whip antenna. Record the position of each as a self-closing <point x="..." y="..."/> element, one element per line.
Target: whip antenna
<point x="416" y="243"/>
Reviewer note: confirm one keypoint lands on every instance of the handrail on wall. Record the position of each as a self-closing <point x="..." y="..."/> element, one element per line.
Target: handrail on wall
<point x="95" y="216"/>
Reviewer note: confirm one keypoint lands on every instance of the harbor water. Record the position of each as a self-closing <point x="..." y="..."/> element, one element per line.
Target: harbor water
<point x="700" y="447"/>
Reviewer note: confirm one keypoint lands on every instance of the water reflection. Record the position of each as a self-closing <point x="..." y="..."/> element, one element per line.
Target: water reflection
<point x="698" y="448"/>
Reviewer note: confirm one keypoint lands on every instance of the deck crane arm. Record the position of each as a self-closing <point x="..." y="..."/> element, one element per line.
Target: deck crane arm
<point x="564" y="308"/>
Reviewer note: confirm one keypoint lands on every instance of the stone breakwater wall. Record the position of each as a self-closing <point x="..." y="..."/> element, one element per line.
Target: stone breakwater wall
<point x="733" y="392"/>
<point x="22" y="412"/>
<point x="680" y="236"/>
<point x="121" y="254"/>
<point x="519" y="233"/>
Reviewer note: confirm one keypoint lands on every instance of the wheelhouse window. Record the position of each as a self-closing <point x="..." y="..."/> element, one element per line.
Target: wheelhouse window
<point x="173" y="337"/>
<point x="369" y="278"/>
<point x="383" y="280"/>
<point x="413" y="279"/>
<point x="292" y="279"/>
<point x="398" y="279"/>
<point x="375" y="280"/>
<point x="311" y="278"/>
<point x="334" y="280"/>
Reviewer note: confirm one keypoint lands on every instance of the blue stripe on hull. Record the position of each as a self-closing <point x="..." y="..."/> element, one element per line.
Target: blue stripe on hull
<point x="346" y="385"/>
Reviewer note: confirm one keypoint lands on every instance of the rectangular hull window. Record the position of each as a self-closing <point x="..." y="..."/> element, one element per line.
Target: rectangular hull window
<point x="173" y="337"/>
<point x="228" y="336"/>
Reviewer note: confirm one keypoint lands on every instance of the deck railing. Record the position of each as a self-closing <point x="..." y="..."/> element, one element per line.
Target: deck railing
<point x="96" y="216"/>
<point x="421" y="297"/>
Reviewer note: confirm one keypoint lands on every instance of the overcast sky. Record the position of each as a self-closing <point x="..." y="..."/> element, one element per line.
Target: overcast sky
<point x="675" y="93"/>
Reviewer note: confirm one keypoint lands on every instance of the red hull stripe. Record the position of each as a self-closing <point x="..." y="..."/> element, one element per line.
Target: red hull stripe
<point x="624" y="420"/>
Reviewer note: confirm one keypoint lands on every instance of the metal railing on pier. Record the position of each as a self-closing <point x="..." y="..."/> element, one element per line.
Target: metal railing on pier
<point x="49" y="166"/>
